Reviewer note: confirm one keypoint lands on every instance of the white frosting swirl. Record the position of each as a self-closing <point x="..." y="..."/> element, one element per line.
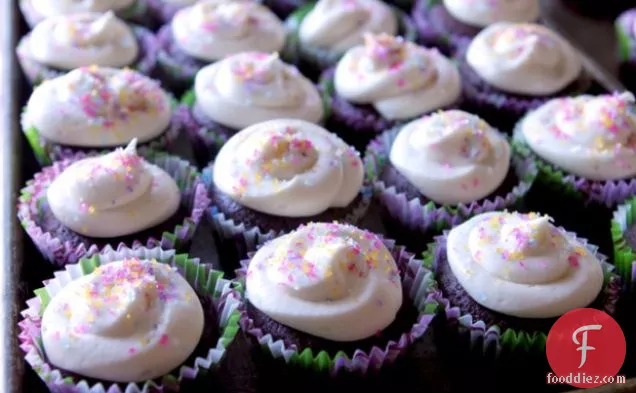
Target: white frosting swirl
<point x="50" y="8"/>
<point x="400" y="79"/>
<point x="179" y="3"/>
<point x="482" y="13"/>
<point x="451" y="157"/>
<point x="128" y="321"/>
<point x="589" y="136"/>
<point x="112" y="195"/>
<point x="329" y="280"/>
<point x="98" y="107"/>
<point x="288" y="168"/>
<point x="524" y="59"/>
<point x="252" y="87"/>
<point x="213" y="29"/>
<point x="522" y="265"/>
<point x="339" y="25"/>
<point x="72" y="41"/>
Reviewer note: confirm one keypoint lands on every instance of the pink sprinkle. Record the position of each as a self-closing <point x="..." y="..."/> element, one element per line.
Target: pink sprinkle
<point x="475" y="182"/>
<point x="401" y="83"/>
<point x="132" y="351"/>
<point x="164" y="339"/>
<point x="573" y="260"/>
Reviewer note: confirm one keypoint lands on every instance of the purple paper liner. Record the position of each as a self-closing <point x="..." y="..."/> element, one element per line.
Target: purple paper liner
<point x="47" y="152"/>
<point x="284" y="8"/>
<point x="491" y="340"/>
<point x="204" y="280"/>
<point x="194" y="198"/>
<point x="236" y="239"/>
<point x="175" y="68"/>
<point x="136" y="13"/>
<point x="358" y="124"/>
<point x="625" y="25"/>
<point x="162" y="11"/>
<point x="206" y="137"/>
<point x="428" y="17"/>
<point x="36" y="72"/>
<point x="500" y="108"/>
<point x="608" y="193"/>
<point x="432" y="216"/>
<point x="417" y="282"/>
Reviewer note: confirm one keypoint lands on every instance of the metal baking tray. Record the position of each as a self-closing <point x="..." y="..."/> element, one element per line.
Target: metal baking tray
<point x="245" y="369"/>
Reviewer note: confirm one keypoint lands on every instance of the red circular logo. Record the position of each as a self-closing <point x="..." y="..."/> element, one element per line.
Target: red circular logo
<point x="585" y="348"/>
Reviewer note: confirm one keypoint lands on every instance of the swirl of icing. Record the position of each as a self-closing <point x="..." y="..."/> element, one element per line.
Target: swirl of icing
<point x="98" y="107"/>
<point x="524" y="59"/>
<point x="589" y="136"/>
<point x="400" y="79"/>
<point x="213" y="29"/>
<point x="451" y="157"/>
<point x="332" y="281"/>
<point x="339" y="25"/>
<point x="72" y="41"/>
<point x="289" y="168"/>
<point x="522" y="265"/>
<point x="124" y="322"/>
<point x="50" y="8"/>
<point x="482" y="13"/>
<point x="112" y="195"/>
<point x="253" y="87"/>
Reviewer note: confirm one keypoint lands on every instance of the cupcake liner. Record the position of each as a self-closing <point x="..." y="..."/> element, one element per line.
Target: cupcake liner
<point x="136" y="13"/>
<point x="493" y="340"/>
<point x="626" y="40"/>
<point x="417" y="282"/>
<point x="624" y="254"/>
<point x="606" y="193"/>
<point x="204" y="280"/>
<point x="358" y="124"/>
<point x="236" y="239"/>
<point x="433" y="217"/>
<point x="176" y="69"/>
<point x="36" y="72"/>
<point x="47" y="152"/>
<point x="312" y="60"/>
<point x="194" y="198"/>
<point x="500" y="108"/>
<point x="207" y="138"/>
<point x="429" y="33"/>
<point x="162" y="11"/>
<point x="284" y="8"/>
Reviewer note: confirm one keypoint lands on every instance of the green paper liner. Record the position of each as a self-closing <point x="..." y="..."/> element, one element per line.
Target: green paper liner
<point x="46" y="152"/>
<point x="205" y="281"/>
<point x="323" y="58"/>
<point x="420" y="287"/>
<point x="490" y="340"/>
<point x="624" y="254"/>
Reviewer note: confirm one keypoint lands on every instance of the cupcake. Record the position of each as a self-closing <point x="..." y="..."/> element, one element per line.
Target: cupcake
<point x="35" y="11"/>
<point x="335" y="298"/>
<point x="62" y="43"/>
<point x="79" y="206"/>
<point x="211" y="30"/>
<point x="626" y="32"/>
<point x="447" y="23"/>
<point x="94" y="109"/>
<point x="436" y="171"/>
<point x="240" y="91"/>
<point x="386" y="82"/>
<point x="163" y="10"/>
<point x="505" y="278"/>
<point x="585" y="148"/>
<point x="318" y="39"/>
<point x="274" y="176"/>
<point x="510" y="68"/>
<point x="624" y="241"/>
<point x="114" y="323"/>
